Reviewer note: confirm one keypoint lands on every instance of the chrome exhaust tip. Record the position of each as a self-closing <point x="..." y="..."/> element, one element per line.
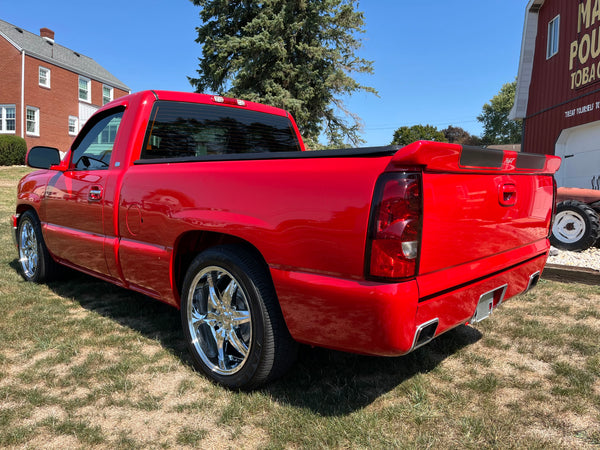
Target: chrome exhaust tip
<point x="488" y="302"/>
<point x="425" y="333"/>
<point x="533" y="281"/>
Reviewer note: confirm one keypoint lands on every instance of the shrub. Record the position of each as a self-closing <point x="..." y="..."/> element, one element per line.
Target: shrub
<point x="12" y="150"/>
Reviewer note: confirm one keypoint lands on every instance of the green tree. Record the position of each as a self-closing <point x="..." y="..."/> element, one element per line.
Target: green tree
<point x="497" y="127"/>
<point x="406" y="135"/>
<point x="294" y="54"/>
<point x="457" y="135"/>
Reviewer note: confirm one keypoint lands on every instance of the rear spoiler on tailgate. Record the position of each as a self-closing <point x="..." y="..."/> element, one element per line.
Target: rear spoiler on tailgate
<point x="443" y="157"/>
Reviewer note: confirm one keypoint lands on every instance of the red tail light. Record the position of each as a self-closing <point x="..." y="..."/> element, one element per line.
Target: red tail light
<point x="395" y="226"/>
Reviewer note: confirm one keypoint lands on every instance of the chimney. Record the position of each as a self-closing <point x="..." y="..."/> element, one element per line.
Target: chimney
<point x="47" y="34"/>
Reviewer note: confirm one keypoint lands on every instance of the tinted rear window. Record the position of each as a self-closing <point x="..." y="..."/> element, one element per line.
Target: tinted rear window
<point x="183" y="130"/>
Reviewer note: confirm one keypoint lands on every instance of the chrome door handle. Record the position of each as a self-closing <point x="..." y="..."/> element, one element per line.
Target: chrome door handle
<point x="95" y="194"/>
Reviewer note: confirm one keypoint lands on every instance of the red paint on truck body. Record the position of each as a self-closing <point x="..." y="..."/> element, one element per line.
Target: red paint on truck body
<point x="308" y="216"/>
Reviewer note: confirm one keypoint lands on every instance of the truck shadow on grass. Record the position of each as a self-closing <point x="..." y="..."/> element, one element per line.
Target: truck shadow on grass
<point x="333" y="383"/>
<point x="327" y="382"/>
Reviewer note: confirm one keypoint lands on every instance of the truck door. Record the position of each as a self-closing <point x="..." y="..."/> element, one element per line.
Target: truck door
<point x="75" y="199"/>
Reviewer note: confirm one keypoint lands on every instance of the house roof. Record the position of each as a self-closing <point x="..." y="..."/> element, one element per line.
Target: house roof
<point x="49" y="51"/>
<point x="519" y="109"/>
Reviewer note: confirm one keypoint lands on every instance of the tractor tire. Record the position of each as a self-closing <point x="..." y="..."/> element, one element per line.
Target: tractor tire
<point x="576" y="226"/>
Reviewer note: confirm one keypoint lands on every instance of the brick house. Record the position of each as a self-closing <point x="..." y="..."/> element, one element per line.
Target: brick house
<point x="47" y="91"/>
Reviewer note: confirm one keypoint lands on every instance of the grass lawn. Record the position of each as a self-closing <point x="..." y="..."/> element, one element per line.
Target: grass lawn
<point x="86" y="364"/>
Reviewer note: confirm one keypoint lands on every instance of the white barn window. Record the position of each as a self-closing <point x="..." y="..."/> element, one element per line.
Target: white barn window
<point x="553" y="33"/>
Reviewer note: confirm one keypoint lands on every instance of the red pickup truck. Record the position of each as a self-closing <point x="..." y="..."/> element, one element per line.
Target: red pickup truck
<point x="212" y="205"/>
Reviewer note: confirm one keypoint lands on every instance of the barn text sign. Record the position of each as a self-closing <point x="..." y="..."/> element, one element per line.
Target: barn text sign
<point x="582" y="109"/>
<point x="584" y="64"/>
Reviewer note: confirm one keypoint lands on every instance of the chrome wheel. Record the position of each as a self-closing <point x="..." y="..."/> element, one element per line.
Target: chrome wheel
<point x="28" y="249"/>
<point x="219" y="320"/>
<point x="231" y="319"/>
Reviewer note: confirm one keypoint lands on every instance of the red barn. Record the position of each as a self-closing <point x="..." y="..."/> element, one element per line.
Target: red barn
<point x="48" y="91"/>
<point x="558" y="87"/>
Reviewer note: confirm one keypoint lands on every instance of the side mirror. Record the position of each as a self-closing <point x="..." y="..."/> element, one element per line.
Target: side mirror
<point x="43" y="157"/>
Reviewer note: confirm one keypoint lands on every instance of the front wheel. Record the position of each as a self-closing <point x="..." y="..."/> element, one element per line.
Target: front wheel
<point x="576" y="226"/>
<point x="35" y="262"/>
<point x="232" y="321"/>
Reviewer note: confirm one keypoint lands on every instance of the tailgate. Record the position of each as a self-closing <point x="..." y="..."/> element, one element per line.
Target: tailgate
<point x="483" y="210"/>
<point x="468" y="217"/>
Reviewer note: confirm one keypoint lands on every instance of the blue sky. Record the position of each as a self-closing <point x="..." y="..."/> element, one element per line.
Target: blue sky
<point x="436" y="62"/>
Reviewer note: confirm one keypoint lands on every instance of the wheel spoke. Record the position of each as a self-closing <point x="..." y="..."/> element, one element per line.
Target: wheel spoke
<point x="237" y="343"/>
<point x="240" y="317"/>
<point x="229" y="293"/>
<point x="197" y="318"/>
<point x="220" y="340"/>
<point x="213" y="295"/>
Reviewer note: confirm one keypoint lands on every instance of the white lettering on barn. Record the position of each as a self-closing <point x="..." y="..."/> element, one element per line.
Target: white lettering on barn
<point x="582" y="109"/>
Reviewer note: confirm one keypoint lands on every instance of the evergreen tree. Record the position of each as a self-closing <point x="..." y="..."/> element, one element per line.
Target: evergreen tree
<point x="293" y="54"/>
<point x="497" y="127"/>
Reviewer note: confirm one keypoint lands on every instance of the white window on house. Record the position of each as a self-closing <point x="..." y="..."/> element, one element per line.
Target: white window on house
<point x="33" y="121"/>
<point x="44" y="78"/>
<point x="85" y="90"/>
<point x="553" y="32"/>
<point x="73" y="125"/>
<point x="107" y="94"/>
<point x="109" y="134"/>
<point x="8" y="119"/>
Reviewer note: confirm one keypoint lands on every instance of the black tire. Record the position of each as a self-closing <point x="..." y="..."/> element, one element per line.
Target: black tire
<point x="596" y="207"/>
<point x="576" y="226"/>
<point x="35" y="263"/>
<point x="232" y="321"/>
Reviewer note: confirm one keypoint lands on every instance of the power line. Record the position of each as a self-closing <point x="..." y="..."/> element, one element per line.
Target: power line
<point x="396" y="126"/>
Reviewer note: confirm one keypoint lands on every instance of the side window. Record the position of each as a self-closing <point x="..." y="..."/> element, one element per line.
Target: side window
<point x="192" y="130"/>
<point x="94" y="149"/>
<point x="553" y="35"/>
